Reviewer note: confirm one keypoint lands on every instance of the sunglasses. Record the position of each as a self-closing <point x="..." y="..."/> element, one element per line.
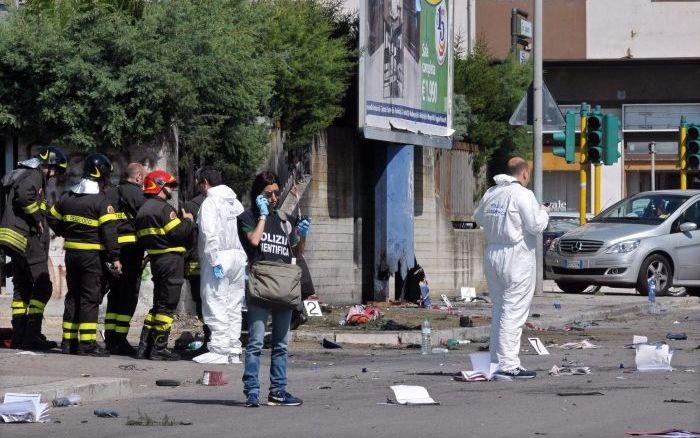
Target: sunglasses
<point x="272" y="192"/>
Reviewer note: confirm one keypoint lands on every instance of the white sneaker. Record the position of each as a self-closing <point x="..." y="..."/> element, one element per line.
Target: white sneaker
<point x="213" y="358"/>
<point x="234" y="358"/>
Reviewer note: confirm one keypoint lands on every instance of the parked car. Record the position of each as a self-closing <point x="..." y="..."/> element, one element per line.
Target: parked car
<point x="648" y="236"/>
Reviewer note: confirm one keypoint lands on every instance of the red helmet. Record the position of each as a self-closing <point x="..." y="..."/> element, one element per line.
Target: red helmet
<point x="156" y="180"/>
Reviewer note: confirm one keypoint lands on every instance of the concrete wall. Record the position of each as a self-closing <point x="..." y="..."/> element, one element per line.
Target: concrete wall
<point x="642" y="29"/>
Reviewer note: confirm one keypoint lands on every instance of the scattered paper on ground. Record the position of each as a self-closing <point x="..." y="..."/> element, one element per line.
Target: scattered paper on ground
<point x="581" y="345"/>
<point x="482" y="369"/>
<point x="653" y="357"/>
<point x="569" y="371"/>
<point x="412" y="395"/>
<point x="667" y="433"/>
<point x="538" y="346"/>
<point x="23" y="408"/>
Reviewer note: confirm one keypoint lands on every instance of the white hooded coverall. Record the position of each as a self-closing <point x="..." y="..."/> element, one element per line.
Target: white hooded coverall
<point x="512" y="218"/>
<point x="219" y="244"/>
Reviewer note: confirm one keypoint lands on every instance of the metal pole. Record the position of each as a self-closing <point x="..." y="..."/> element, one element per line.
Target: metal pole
<point x="537" y="125"/>
<point x="596" y="190"/>
<point x="583" y="177"/>
<point x="652" y="152"/>
<point x="682" y="143"/>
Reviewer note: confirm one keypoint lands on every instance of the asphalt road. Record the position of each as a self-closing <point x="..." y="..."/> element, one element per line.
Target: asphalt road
<point x="341" y="390"/>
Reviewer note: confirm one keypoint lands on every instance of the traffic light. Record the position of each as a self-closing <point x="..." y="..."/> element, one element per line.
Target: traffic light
<point x="611" y="139"/>
<point x="566" y="140"/>
<point x="693" y="146"/>
<point x="594" y="137"/>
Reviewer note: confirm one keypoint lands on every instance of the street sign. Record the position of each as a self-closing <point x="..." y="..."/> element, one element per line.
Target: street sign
<point x="523" y="28"/>
<point x="552" y="119"/>
<point x="523" y="56"/>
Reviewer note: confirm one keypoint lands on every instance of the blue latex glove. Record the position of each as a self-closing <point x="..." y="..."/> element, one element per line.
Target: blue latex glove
<point x="219" y="271"/>
<point x="303" y="227"/>
<point x="262" y="204"/>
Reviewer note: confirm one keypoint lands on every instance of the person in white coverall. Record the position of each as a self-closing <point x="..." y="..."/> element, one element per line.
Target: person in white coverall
<point x="222" y="269"/>
<point x="512" y="218"/>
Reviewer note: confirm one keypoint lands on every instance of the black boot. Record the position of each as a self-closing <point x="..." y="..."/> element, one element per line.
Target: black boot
<point x="120" y="346"/>
<point x="19" y="325"/>
<point x="207" y="334"/>
<point x="91" y="348"/>
<point x="69" y="346"/>
<point x="160" y="350"/>
<point x="109" y="339"/>
<point x="145" y="343"/>
<point x="33" y="340"/>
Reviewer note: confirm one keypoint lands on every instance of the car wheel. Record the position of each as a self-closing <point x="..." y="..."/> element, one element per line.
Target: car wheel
<point x="572" y="287"/>
<point x="655" y="266"/>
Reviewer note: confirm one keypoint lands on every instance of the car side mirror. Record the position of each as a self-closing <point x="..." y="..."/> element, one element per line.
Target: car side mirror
<point x="687" y="227"/>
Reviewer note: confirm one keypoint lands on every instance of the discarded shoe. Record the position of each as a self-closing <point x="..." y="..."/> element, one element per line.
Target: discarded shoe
<point x="518" y="373"/>
<point x="283" y="398"/>
<point x="213" y="358"/>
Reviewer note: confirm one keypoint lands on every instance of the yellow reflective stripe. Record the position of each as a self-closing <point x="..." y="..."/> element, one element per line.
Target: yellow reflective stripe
<point x="107" y="217"/>
<point x="13" y="238"/>
<point x="127" y="238"/>
<point x="164" y="318"/>
<point x="149" y="317"/>
<point x="31" y="208"/>
<point x="16" y="304"/>
<point x="19" y="312"/>
<point x="70" y="335"/>
<point x="121" y="215"/>
<point x="121" y="329"/>
<point x="36" y="303"/>
<point x="123" y="318"/>
<point x="35" y="311"/>
<point x="53" y="212"/>
<point x="82" y="245"/>
<point x="70" y="325"/>
<point x="150" y="232"/>
<point x="13" y="242"/>
<point x="172" y="224"/>
<point x="110" y="326"/>
<point x="110" y="315"/>
<point x="81" y="220"/>
<point x="87" y="326"/>
<point x="166" y="250"/>
<point x="43" y="206"/>
<point x="88" y="337"/>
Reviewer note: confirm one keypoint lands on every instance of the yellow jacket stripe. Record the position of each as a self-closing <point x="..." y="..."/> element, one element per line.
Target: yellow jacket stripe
<point x="163" y="251"/>
<point x="81" y="220"/>
<point x="53" y="212"/>
<point x="127" y="238"/>
<point x="31" y="208"/>
<point x="83" y="246"/>
<point x="107" y="217"/>
<point x="159" y="231"/>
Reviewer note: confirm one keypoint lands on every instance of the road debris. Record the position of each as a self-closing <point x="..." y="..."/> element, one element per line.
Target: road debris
<point x="146" y="420"/>
<point x="580" y="345"/>
<point x="664" y="433"/>
<point x="71" y="400"/>
<point x="213" y="378"/>
<point x="576" y="394"/>
<point x="653" y="357"/>
<point x="330" y="344"/>
<point x="106" y="413"/>
<point x="674" y="400"/>
<point x="677" y="336"/>
<point x="568" y="371"/>
<point x="168" y="382"/>
<point x="410" y="395"/>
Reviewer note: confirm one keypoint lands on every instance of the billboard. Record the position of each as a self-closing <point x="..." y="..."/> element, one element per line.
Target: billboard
<point x="406" y="49"/>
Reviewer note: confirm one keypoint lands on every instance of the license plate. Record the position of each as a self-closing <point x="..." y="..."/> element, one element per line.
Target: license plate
<point x="574" y="264"/>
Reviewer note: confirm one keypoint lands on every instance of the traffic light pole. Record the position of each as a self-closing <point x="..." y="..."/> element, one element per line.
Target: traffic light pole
<point x="682" y="141"/>
<point x="583" y="177"/>
<point x="537" y="132"/>
<point x="596" y="193"/>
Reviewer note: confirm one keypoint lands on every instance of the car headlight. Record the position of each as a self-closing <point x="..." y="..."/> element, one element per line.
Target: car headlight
<point x="623" y="247"/>
<point x="554" y="246"/>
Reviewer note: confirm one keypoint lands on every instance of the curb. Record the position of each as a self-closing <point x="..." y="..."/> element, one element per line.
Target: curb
<point x="89" y="389"/>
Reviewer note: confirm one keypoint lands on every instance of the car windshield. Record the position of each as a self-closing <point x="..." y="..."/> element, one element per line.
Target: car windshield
<point x="561" y="224"/>
<point x="647" y="209"/>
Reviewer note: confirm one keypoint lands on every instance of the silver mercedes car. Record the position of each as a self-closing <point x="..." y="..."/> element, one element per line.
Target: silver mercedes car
<point x="651" y="235"/>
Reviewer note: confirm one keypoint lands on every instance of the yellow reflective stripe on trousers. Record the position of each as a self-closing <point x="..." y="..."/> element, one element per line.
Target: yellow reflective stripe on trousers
<point x="53" y="212"/>
<point x="106" y="218"/>
<point x="70" y="325"/>
<point x="121" y="329"/>
<point x="31" y="208"/>
<point x="127" y="238"/>
<point x="80" y="220"/>
<point x="81" y="245"/>
<point x="165" y="321"/>
<point x="123" y="318"/>
<point x="18" y="308"/>
<point x="166" y="250"/>
<point x="110" y="315"/>
<point x="111" y="326"/>
<point x="71" y="335"/>
<point x="36" y="303"/>
<point x="87" y="337"/>
<point x="148" y="321"/>
<point x="87" y="326"/>
<point x="43" y="206"/>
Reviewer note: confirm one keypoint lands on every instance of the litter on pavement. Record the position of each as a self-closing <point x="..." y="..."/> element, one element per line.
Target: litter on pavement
<point x="539" y="347"/>
<point x="483" y="369"/>
<point x="106" y="413"/>
<point x="579" y="325"/>
<point x="677" y="336"/>
<point x="330" y="344"/>
<point x="569" y="371"/>
<point x="653" y="357"/>
<point x="213" y="378"/>
<point x="411" y="395"/>
<point x="675" y="400"/>
<point x="360" y="314"/>
<point x="576" y="394"/>
<point x="71" y="400"/>
<point x="664" y="433"/>
<point x="23" y="408"/>
<point x="580" y="345"/>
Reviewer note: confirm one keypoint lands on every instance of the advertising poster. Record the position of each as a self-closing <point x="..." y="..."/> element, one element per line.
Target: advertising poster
<point x="406" y="68"/>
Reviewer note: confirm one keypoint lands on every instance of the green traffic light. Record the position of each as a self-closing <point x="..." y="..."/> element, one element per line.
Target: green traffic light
<point x="611" y="139"/>
<point x="566" y="140"/>
<point x="693" y="146"/>
<point x="594" y="136"/>
<point x="595" y="154"/>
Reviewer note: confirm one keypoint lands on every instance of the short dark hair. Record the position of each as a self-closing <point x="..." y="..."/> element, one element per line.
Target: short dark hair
<point x="262" y="180"/>
<point x="516" y="165"/>
<point x="210" y="174"/>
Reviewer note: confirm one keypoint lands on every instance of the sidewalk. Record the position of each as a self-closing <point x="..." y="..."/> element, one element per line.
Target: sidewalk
<point x="55" y="375"/>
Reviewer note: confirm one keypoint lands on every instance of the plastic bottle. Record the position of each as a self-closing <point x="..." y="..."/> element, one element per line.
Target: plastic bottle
<point x="652" y="296"/>
<point x="425" y="344"/>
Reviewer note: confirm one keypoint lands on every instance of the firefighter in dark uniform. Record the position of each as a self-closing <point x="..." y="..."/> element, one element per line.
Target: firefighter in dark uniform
<point x="123" y="295"/>
<point x="192" y="264"/>
<point x="24" y="236"/>
<point x="87" y="222"/>
<point x="165" y="237"/>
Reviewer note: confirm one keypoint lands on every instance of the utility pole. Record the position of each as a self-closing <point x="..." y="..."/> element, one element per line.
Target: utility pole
<point x="537" y="130"/>
<point x="682" y="152"/>
<point x="583" y="160"/>
<point x="652" y="152"/>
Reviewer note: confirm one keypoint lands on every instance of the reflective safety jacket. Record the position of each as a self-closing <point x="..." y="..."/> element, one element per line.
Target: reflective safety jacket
<point x="127" y="198"/>
<point x="159" y="229"/>
<point x="87" y="222"/>
<point x="24" y="209"/>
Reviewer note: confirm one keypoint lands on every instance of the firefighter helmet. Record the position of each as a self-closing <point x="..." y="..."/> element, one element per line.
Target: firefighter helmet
<point x="97" y="167"/>
<point x="156" y="180"/>
<point x="53" y="157"/>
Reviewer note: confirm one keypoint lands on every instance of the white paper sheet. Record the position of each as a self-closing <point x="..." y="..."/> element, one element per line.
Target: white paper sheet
<point x="412" y="395"/>
<point x="651" y="357"/>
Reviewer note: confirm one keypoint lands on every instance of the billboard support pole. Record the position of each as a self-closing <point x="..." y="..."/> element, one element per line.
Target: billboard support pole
<point x="537" y="131"/>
